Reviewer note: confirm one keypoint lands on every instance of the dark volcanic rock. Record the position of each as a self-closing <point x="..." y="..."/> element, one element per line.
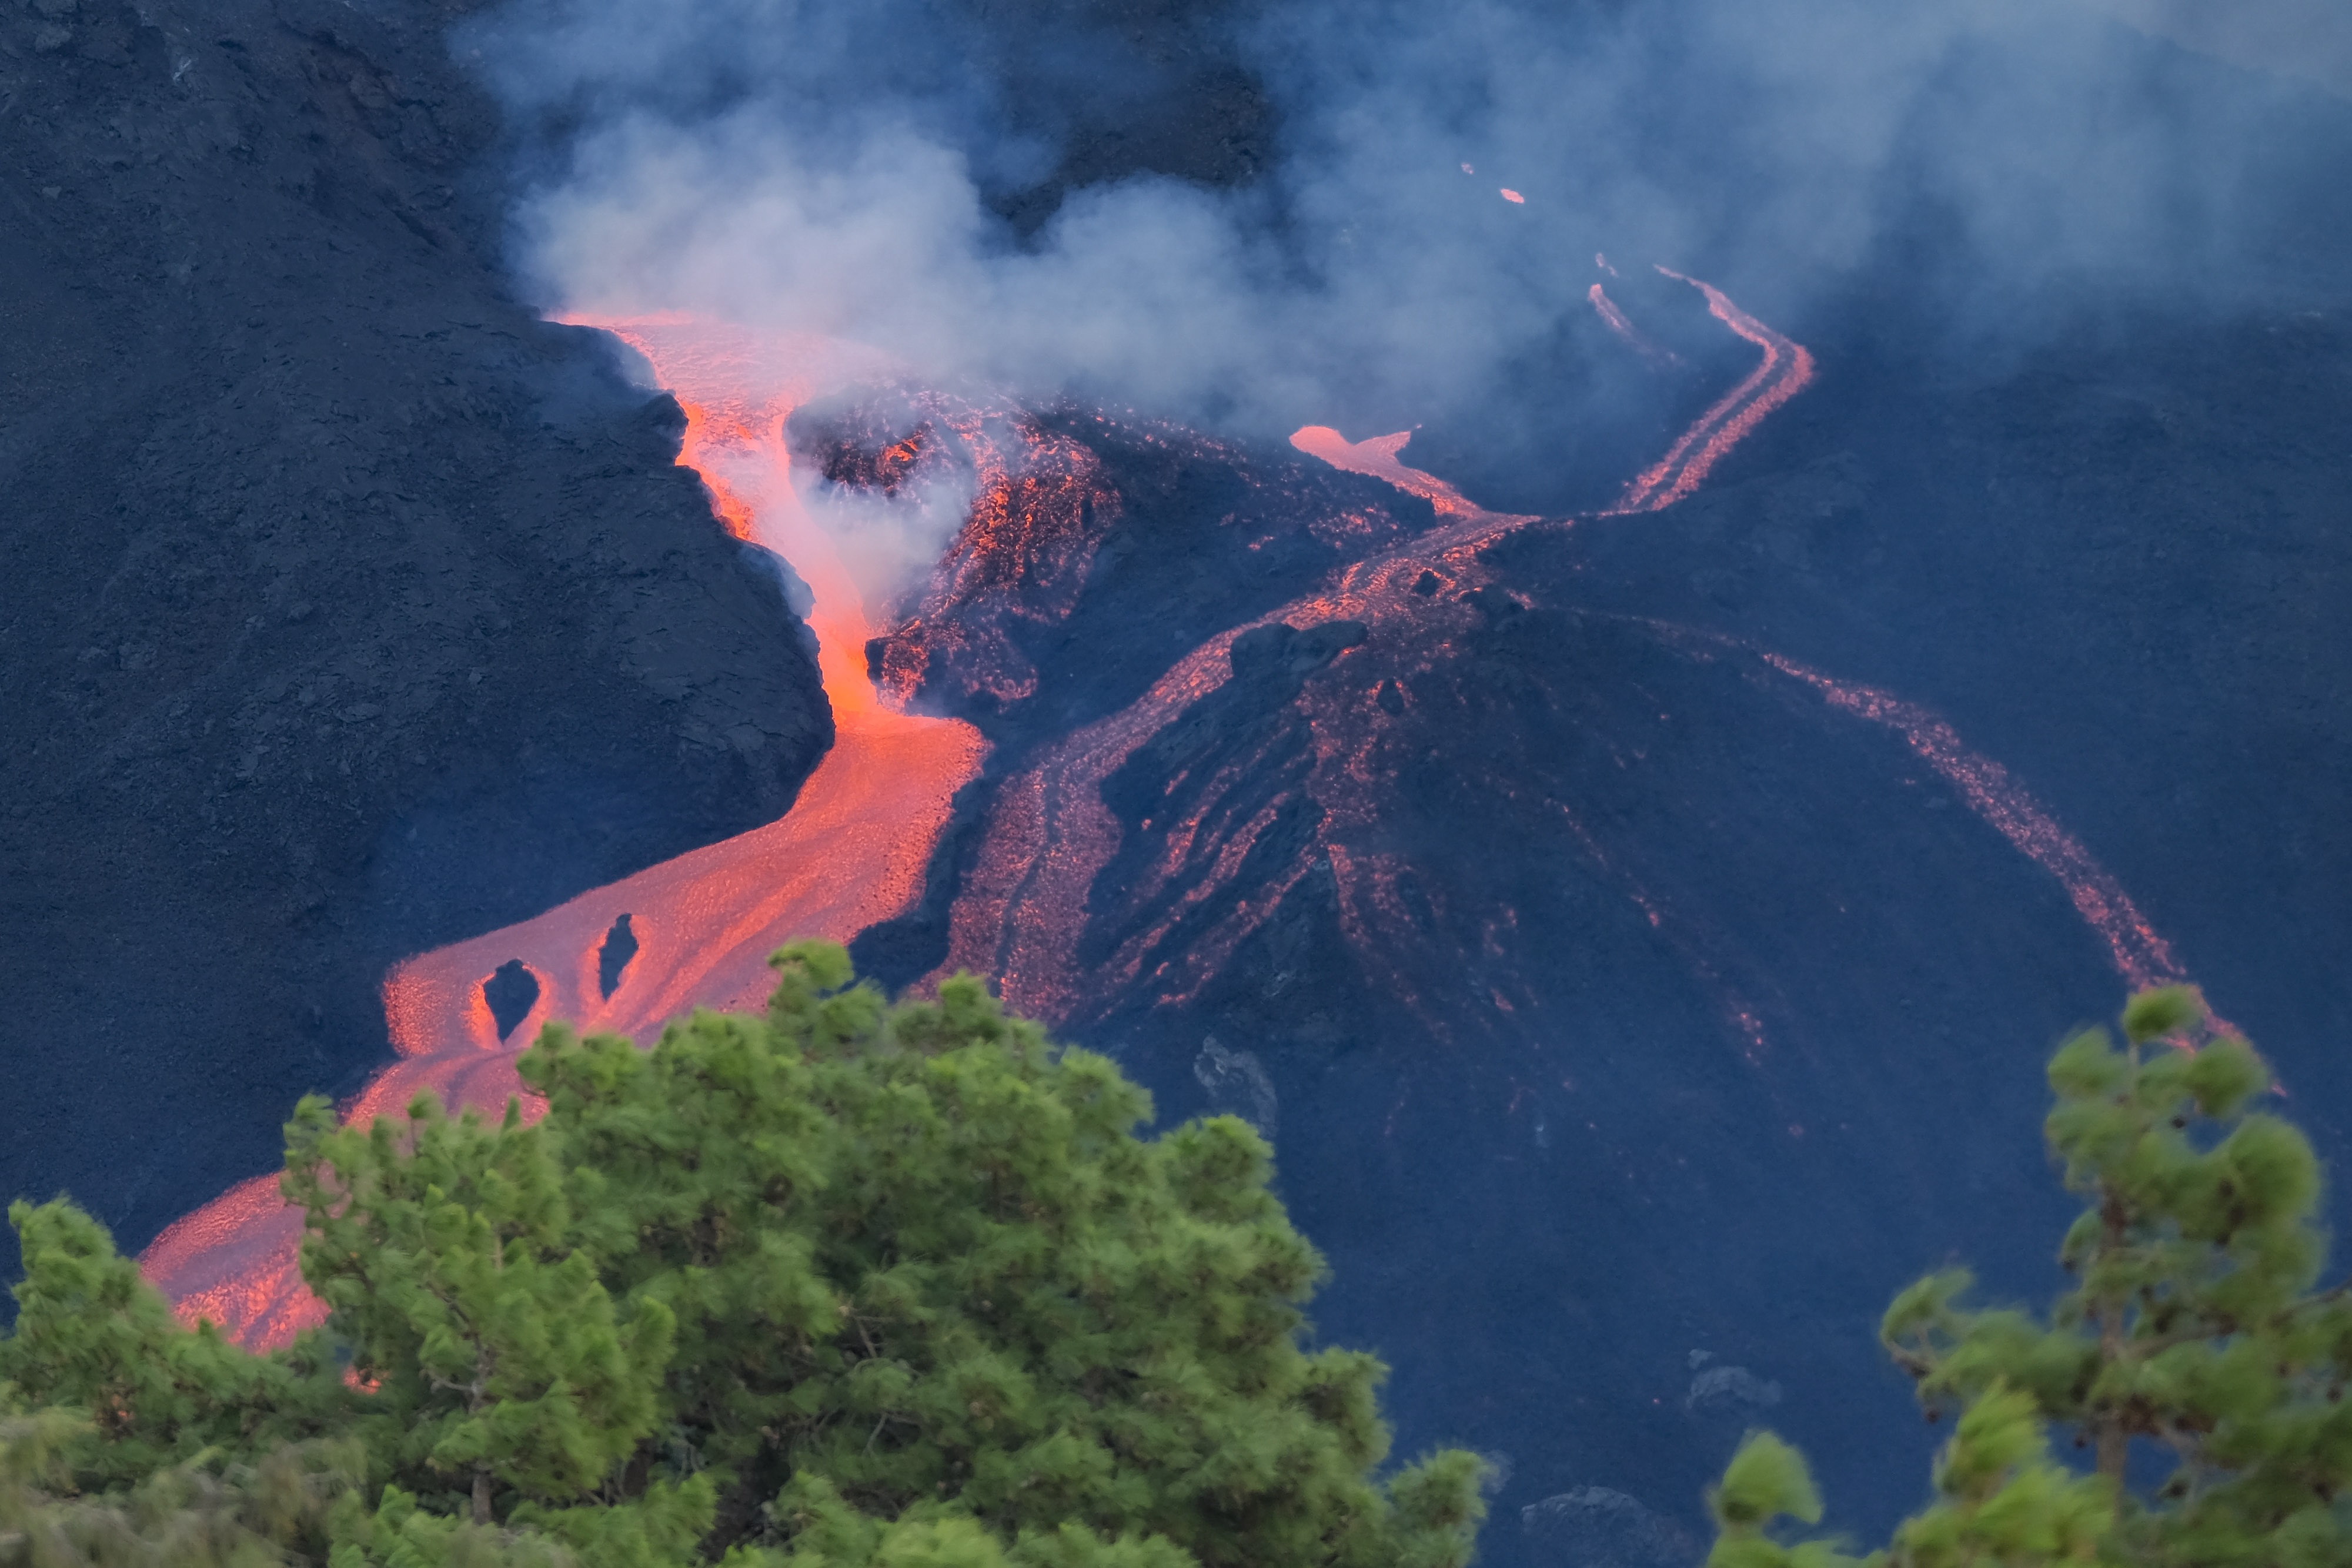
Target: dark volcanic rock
<point x="348" y="609"/>
<point x="1639" y="1021"/>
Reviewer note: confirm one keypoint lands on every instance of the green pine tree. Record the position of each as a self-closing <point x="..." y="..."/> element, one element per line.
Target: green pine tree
<point x="2193" y="1334"/>
<point x="442" y="1250"/>
<point x="845" y="1284"/>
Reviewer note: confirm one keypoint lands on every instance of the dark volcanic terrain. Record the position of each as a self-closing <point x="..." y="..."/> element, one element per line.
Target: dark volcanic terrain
<point x="1632" y="1021"/>
<point x="348" y="609"/>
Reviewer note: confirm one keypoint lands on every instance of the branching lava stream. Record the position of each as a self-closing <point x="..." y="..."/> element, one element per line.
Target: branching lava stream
<point x="1050" y="836"/>
<point x="855" y="847"/>
<point x="851" y="851"/>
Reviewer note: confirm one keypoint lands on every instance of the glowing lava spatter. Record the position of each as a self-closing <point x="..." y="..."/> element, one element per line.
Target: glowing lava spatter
<point x="850" y="852"/>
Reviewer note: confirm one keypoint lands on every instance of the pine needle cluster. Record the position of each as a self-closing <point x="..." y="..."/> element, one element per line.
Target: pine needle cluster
<point x="2198" y="1365"/>
<point x="846" y="1285"/>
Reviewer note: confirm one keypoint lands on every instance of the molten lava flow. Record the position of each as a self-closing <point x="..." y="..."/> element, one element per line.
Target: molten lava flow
<point x="850" y="852"/>
<point x="2141" y="957"/>
<point x="1779" y="376"/>
<point x="1041" y="506"/>
<point x="1376" y="458"/>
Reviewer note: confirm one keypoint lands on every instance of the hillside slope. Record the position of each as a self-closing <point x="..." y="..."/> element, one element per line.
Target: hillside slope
<point x="348" y="610"/>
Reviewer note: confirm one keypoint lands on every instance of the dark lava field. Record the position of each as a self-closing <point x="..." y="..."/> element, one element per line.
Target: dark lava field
<point x="1631" y="1020"/>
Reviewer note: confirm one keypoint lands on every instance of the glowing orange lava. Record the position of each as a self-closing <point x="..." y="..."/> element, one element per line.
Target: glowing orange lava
<point x="850" y="852"/>
<point x="1376" y="458"/>
<point x="2141" y="957"/>
<point x="1040" y="506"/>
<point x="1780" y="375"/>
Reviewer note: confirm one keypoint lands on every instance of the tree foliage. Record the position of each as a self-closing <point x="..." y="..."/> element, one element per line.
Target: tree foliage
<point x="845" y="1284"/>
<point x="2202" y="1370"/>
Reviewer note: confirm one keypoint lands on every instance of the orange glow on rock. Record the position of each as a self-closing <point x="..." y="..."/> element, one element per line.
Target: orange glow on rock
<point x="1039" y="506"/>
<point x="852" y="850"/>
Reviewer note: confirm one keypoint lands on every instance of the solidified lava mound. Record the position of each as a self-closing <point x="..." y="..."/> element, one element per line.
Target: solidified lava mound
<point x="1640" y="981"/>
<point x="348" y="610"/>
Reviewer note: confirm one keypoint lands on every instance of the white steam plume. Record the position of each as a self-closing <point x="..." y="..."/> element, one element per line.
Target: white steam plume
<point x="823" y="166"/>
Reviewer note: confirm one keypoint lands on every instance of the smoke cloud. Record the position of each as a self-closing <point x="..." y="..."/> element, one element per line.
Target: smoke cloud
<point x="858" y="168"/>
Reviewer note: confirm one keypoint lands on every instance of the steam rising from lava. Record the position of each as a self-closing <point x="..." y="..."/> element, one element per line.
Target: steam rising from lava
<point x="843" y="168"/>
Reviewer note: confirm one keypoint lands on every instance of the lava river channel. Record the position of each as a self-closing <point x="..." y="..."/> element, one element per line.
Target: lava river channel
<point x="850" y="852"/>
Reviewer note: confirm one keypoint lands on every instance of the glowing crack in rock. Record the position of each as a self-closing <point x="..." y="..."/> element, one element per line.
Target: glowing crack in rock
<point x="851" y="851"/>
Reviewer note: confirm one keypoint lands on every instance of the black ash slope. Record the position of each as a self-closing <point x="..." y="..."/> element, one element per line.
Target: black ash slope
<point x="347" y="609"/>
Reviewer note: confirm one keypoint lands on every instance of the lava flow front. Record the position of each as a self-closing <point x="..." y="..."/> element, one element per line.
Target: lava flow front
<point x="851" y="851"/>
